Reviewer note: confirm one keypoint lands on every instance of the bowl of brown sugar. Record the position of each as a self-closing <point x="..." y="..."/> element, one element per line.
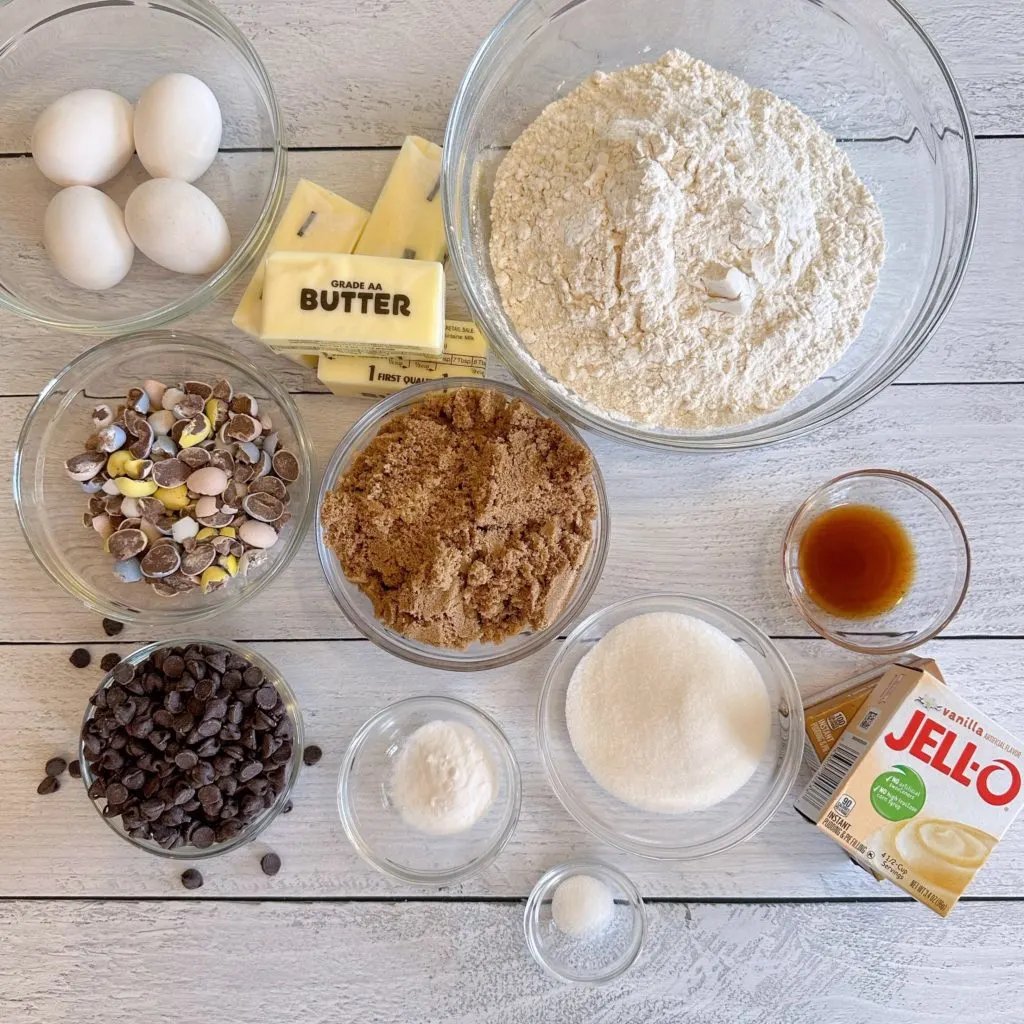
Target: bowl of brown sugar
<point x="462" y="526"/>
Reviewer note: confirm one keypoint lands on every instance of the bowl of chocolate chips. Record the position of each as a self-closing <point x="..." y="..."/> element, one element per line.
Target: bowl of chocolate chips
<point x="191" y="748"/>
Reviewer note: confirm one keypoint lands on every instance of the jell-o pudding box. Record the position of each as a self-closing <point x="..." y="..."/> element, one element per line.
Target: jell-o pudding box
<point x="919" y="788"/>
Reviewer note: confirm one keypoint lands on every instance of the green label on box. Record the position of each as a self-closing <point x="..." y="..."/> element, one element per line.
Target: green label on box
<point x="898" y="794"/>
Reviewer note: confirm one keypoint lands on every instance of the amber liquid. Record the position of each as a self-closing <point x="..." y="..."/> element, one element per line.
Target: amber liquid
<point x="856" y="561"/>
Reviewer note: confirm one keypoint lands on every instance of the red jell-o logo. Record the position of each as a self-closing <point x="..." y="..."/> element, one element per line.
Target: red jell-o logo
<point x="936" y="744"/>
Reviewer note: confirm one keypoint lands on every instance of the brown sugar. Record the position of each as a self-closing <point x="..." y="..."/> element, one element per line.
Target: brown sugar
<point x="467" y="518"/>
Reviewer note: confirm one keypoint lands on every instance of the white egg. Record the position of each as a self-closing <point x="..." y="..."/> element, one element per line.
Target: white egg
<point x="85" y="236"/>
<point x="178" y="226"/>
<point x="84" y="138"/>
<point x="177" y="127"/>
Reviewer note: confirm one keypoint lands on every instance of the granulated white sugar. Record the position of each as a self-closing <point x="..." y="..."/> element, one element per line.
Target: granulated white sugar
<point x="668" y="713"/>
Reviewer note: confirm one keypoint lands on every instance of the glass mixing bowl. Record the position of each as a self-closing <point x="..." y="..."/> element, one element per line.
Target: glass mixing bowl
<point x="52" y="47"/>
<point x="373" y="823"/>
<point x="50" y="504"/>
<point x="863" y="69"/>
<point x="942" y="562"/>
<point x="359" y="609"/>
<point x="255" y="827"/>
<point x="694" y="834"/>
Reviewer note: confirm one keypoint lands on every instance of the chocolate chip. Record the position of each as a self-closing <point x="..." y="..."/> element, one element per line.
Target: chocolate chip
<point x="112" y="627"/>
<point x="56" y="766"/>
<point x="108" y="661"/>
<point x="311" y="755"/>
<point x="252" y="676"/>
<point x="203" y="837"/>
<point x="80" y="658"/>
<point x="270" y="863"/>
<point x="116" y="794"/>
<point x="48" y="785"/>
<point x="192" y="879"/>
<point x="266" y="697"/>
<point x="75" y="770"/>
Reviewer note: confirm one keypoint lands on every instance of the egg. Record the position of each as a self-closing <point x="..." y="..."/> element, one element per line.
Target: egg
<point x="177" y="226"/>
<point x="85" y="237"/>
<point x="178" y="127"/>
<point x="84" y="138"/>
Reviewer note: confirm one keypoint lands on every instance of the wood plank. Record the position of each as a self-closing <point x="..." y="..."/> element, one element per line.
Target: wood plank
<point x="375" y="964"/>
<point x="365" y="74"/>
<point x="62" y="848"/>
<point x="978" y="342"/>
<point x="711" y="524"/>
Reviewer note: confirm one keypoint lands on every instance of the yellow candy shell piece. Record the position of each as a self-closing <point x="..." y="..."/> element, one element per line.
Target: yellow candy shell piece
<point x="117" y="462"/>
<point x="174" y="498"/>
<point x="206" y="533"/>
<point x="136" y="488"/>
<point x="189" y="440"/>
<point x="228" y="531"/>
<point x="215" y="574"/>
<point x="231" y="564"/>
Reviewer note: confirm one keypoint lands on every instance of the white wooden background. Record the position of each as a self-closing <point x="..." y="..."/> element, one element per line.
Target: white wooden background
<point x="782" y="930"/>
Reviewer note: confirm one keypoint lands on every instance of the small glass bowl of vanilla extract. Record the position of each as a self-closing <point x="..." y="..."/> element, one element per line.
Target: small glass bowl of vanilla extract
<point x="877" y="561"/>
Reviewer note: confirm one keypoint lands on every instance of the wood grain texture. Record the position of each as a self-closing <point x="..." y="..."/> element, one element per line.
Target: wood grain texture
<point x="709" y="525"/>
<point x="58" y="846"/>
<point x="408" y="83"/>
<point x="371" y="964"/>
<point x="978" y="341"/>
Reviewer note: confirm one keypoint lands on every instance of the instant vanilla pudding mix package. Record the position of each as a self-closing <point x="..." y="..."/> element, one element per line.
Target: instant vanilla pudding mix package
<point x="920" y="787"/>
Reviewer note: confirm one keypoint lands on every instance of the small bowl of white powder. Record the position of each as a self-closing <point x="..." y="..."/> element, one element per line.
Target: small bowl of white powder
<point x="670" y="727"/>
<point x="429" y="791"/>
<point x="585" y="922"/>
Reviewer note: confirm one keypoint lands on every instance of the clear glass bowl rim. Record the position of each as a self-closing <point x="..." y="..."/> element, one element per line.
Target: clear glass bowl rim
<point x="540" y="384"/>
<point x="206" y="14"/>
<point x="547" y="882"/>
<point x="183" y="853"/>
<point x="356" y="437"/>
<point x="89" y="361"/>
<point x="785" y="774"/>
<point x="512" y="775"/>
<point x="937" y="499"/>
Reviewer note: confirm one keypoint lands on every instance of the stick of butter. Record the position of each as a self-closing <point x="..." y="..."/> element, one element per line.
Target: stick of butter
<point x="406" y="221"/>
<point x="465" y="355"/>
<point x="354" y="305"/>
<point x="315" y="221"/>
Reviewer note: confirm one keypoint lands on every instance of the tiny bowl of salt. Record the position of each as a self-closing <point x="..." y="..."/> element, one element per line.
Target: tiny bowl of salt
<point x="585" y="922"/>
<point x="429" y="791"/>
<point x="670" y="727"/>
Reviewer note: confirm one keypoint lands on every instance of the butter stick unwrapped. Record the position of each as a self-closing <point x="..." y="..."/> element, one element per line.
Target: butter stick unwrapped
<point x="315" y="220"/>
<point x="465" y="355"/>
<point x="406" y="221"/>
<point x="354" y="305"/>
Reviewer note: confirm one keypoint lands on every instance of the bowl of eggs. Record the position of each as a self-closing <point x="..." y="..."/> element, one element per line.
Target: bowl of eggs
<point x="148" y="161"/>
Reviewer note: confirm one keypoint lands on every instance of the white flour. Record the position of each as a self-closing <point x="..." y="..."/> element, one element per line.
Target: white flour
<point x="617" y="214"/>
<point x="443" y="780"/>
<point x="668" y="713"/>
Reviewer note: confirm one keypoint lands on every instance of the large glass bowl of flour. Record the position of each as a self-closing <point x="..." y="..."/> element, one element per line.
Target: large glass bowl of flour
<point x="712" y="826"/>
<point x="862" y="69"/>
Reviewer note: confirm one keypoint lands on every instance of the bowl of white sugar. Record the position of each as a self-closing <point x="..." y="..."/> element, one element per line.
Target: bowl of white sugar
<point x="708" y="224"/>
<point x="670" y="727"/>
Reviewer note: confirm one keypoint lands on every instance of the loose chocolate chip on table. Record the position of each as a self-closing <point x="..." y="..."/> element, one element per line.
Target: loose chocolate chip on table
<point x="112" y="627"/>
<point x="56" y="766"/>
<point x="75" y="770"/>
<point x="311" y="755"/>
<point x="80" y="657"/>
<point x="48" y="785"/>
<point x="270" y="863"/>
<point x="108" y="661"/>
<point x="191" y="879"/>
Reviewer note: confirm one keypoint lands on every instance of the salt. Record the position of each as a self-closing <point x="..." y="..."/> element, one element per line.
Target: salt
<point x="582" y="906"/>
